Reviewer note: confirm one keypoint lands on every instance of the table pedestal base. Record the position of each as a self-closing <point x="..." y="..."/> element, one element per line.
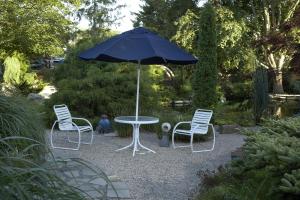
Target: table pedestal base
<point x="136" y="141"/>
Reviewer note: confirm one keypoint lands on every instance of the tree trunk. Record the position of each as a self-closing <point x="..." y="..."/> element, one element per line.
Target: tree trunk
<point x="277" y="83"/>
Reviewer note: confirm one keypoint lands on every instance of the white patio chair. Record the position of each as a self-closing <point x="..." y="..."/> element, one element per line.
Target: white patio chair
<point x="65" y="123"/>
<point x="199" y="125"/>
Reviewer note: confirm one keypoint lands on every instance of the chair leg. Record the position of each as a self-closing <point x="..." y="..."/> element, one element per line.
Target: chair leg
<point x="214" y="141"/>
<point x="173" y="144"/>
<point x="92" y="137"/>
<point x="65" y="148"/>
<point x="192" y="137"/>
<point x="90" y="142"/>
<point x="51" y="134"/>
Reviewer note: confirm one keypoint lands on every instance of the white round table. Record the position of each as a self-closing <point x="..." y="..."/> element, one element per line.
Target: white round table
<point x="136" y="130"/>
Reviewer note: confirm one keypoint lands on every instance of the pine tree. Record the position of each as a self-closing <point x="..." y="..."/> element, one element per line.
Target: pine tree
<point x="205" y="76"/>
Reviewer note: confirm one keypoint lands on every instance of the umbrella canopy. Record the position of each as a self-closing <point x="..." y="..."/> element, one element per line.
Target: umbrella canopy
<point x="138" y="46"/>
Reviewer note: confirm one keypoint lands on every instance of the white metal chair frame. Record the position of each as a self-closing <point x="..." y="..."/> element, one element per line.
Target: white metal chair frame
<point x="199" y="125"/>
<point x="65" y="123"/>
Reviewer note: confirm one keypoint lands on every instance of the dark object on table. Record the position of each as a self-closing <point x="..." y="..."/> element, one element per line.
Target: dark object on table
<point x="164" y="141"/>
<point x="104" y="125"/>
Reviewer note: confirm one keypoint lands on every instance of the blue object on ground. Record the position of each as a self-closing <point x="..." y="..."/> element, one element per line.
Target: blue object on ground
<point x="104" y="125"/>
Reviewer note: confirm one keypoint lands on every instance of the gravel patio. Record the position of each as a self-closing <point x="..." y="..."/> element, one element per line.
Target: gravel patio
<point x="169" y="174"/>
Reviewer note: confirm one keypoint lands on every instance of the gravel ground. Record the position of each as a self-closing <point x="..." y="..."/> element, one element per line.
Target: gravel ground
<point x="170" y="174"/>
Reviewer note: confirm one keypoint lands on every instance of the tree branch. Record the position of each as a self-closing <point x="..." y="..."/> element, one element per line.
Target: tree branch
<point x="291" y="11"/>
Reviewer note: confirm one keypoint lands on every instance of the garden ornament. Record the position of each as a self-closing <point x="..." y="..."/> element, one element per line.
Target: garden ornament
<point x="164" y="142"/>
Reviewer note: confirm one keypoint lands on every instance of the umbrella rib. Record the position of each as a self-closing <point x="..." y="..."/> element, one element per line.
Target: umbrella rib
<point x="155" y="50"/>
<point x="112" y="46"/>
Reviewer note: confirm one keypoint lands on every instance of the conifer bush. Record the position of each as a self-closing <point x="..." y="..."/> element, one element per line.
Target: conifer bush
<point x="205" y="77"/>
<point x="269" y="168"/>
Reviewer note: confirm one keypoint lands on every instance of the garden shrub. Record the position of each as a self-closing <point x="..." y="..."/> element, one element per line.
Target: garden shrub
<point x="17" y="74"/>
<point x="295" y="85"/>
<point x="92" y="88"/>
<point x="269" y="168"/>
<point x="101" y="89"/>
<point x="237" y="91"/>
<point x="236" y="113"/>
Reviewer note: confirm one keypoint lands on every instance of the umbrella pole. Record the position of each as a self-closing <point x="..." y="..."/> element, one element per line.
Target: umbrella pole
<point x="137" y="91"/>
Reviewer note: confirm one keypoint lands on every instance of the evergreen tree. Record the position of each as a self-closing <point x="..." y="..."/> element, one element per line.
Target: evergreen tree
<point x="205" y="76"/>
<point x="161" y="15"/>
<point x="260" y="93"/>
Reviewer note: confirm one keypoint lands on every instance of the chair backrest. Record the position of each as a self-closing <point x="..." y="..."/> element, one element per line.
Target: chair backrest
<point x="201" y="119"/>
<point x="63" y="116"/>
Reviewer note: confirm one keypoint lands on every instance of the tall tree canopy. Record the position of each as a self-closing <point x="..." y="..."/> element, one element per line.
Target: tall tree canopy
<point x="265" y="18"/>
<point x="35" y="27"/>
<point x="161" y="15"/>
<point x="99" y="13"/>
<point x="43" y="28"/>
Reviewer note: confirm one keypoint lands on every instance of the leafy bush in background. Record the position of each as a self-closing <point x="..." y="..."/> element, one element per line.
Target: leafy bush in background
<point x="92" y="88"/>
<point x="295" y="86"/>
<point x="17" y="74"/>
<point x="237" y="91"/>
<point x="269" y="168"/>
<point x="236" y="113"/>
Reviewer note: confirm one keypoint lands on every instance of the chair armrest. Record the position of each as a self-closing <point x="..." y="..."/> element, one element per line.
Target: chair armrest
<point x="208" y="124"/>
<point x="200" y="124"/>
<point x="58" y="121"/>
<point x="87" y="121"/>
<point x="179" y="123"/>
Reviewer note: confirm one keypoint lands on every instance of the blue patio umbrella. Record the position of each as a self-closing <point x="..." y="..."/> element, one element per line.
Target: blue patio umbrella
<point x="138" y="46"/>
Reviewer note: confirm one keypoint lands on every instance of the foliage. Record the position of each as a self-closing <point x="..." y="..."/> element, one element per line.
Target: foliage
<point x="237" y="90"/>
<point x="236" y="113"/>
<point x="295" y="86"/>
<point x="232" y="37"/>
<point x="160" y="15"/>
<point x="274" y="148"/>
<point x="98" y="13"/>
<point x="260" y="93"/>
<point x="28" y="169"/>
<point x="17" y="74"/>
<point x="23" y="178"/>
<point x="35" y="28"/>
<point x="233" y="57"/>
<point x="223" y="185"/>
<point x="264" y="20"/>
<point x="269" y="168"/>
<point x="92" y="88"/>
<point x="205" y="76"/>
<point x="19" y="118"/>
<point x="187" y="28"/>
